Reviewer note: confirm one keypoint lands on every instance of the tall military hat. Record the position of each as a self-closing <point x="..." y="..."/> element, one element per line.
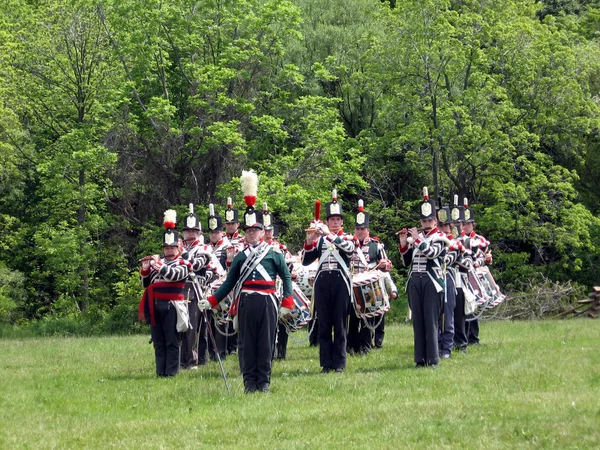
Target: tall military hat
<point x="457" y="212"/>
<point x="231" y="215"/>
<point x="215" y="223"/>
<point x="469" y="217"/>
<point x="362" y="217"/>
<point x="427" y="207"/>
<point x="253" y="218"/>
<point x="333" y="208"/>
<point x="267" y="217"/>
<point x="191" y="221"/>
<point x="443" y="213"/>
<point x="170" y="236"/>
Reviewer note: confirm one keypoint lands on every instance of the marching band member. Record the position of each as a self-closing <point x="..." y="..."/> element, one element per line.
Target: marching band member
<point x="369" y="255"/>
<point x="424" y="252"/>
<point x="333" y="284"/>
<point x="462" y="265"/>
<point x="164" y="280"/>
<point x="218" y="247"/>
<point x="271" y="239"/>
<point x="252" y="277"/>
<point x="479" y="247"/>
<point x="236" y="244"/>
<point x="194" y="342"/>
<point x="446" y="331"/>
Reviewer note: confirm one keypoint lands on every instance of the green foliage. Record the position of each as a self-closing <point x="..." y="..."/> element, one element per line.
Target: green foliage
<point x="12" y="294"/>
<point x="113" y="112"/>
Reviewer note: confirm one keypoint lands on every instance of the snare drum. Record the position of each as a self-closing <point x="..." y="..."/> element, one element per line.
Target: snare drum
<point x="300" y="314"/>
<point x="477" y="288"/>
<point x="489" y="285"/>
<point x="306" y="277"/>
<point x="370" y="296"/>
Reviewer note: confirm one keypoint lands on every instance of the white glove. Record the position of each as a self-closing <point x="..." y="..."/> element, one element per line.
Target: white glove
<point x="283" y="312"/>
<point x="236" y="324"/>
<point x="204" y="304"/>
<point x="323" y="229"/>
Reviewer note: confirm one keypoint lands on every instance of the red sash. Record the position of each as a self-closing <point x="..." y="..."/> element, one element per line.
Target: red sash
<point x="163" y="291"/>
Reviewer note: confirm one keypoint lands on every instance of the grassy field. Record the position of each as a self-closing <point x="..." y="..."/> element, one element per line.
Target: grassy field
<point x="530" y="384"/>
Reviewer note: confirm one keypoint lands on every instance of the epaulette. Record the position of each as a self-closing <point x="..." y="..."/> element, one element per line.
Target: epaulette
<point x="375" y="238"/>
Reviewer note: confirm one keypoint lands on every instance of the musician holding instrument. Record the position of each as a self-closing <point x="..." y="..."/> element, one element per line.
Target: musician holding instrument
<point x="236" y="244"/>
<point x="479" y="247"/>
<point x="462" y="264"/>
<point x="270" y="238"/>
<point x="164" y="281"/>
<point x="252" y="278"/>
<point x="218" y="244"/>
<point x="369" y="255"/>
<point x="327" y="243"/>
<point x="424" y="252"/>
<point x="446" y="331"/>
<point x="194" y="342"/>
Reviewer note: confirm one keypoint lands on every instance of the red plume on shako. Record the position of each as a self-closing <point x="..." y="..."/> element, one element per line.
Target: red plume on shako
<point x="427" y="206"/>
<point x="253" y="218"/>
<point x="362" y="217"/>
<point x="333" y="208"/>
<point x="170" y="236"/>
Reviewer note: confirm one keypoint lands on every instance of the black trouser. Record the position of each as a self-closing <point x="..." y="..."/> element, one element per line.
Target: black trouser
<point x="380" y="332"/>
<point x="472" y="330"/>
<point x="232" y="339"/>
<point x="365" y="335"/>
<point x="193" y="343"/>
<point x="353" y="333"/>
<point x="460" y="334"/>
<point x="425" y="304"/>
<point x="313" y="328"/>
<point x="165" y="339"/>
<point x="257" y="315"/>
<point x="332" y="302"/>
<point x="446" y="333"/>
<point x="282" y="341"/>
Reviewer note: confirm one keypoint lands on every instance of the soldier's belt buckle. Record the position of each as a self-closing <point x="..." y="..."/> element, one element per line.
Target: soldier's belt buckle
<point x="331" y="247"/>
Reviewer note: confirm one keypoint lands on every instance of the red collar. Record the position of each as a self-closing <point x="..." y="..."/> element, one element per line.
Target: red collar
<point x="433" y="231"/>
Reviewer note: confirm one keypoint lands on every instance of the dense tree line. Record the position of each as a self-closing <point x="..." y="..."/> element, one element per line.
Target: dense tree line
<point x="113" y="111"/>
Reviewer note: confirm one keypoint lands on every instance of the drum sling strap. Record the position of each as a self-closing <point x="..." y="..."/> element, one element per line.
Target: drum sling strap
<point x="332" y="250"/>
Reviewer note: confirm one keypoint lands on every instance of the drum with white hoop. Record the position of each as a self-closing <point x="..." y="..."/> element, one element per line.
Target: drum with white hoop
<point x="490" y="287"/>
<point x="306" y="277"/>
<point x="370" y="296"/>
<point x="477" y="288"/>
<point x="221" y="312"/>
<point x="300" y="313"/>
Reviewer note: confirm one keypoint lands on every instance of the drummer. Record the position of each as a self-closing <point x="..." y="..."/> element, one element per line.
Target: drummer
<point x="369" y="255"/>
<point x="218" y="247"/>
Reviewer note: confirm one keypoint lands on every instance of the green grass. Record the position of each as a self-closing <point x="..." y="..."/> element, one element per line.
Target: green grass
<point x="530" y="384"/>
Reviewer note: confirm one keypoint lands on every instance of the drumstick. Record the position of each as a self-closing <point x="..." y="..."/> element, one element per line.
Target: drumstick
<point x="374" y="268"/>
